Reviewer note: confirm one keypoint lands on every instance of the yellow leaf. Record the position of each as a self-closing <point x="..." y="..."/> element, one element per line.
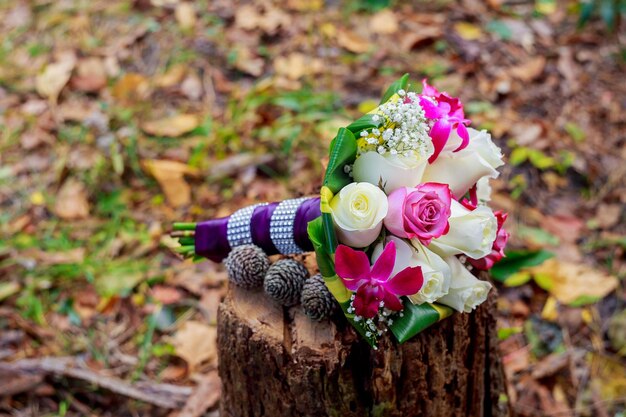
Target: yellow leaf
<point x="292" y="66"/>
<point x="353" y="42"/>
<point x="571" y="282"/>
<point x="173" y="76"/>
<point x="54" y="77"/>
<point x="131" y="88"/>
<point x="37" y="198"/>
<point x="196" y="343"/>
<point x="468" y="31"/>
<point x="384" y="22"/>
<point x="170" y="176"/>
<point x="550" y="310"/>
<point x="171" y="126"/>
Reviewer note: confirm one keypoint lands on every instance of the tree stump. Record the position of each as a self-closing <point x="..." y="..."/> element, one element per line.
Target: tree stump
<point x="276" y="362"/>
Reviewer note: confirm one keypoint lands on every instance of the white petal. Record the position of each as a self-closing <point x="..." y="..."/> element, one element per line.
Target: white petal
<point x="466" y="291"/>
<point x="392" y="171"/>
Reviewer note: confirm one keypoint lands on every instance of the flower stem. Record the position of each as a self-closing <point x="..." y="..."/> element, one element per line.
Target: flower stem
<point x="184" y="226"/>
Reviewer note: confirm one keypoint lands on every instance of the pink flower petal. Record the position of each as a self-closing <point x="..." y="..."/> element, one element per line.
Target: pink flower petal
<point x="384" y="264"/>
<point x="392" y="302"/>
<point x="406" y="282"/>
<point x="352" y="267"/>
<point x="439" y="134"/>
<point x="429" y="90"/>
<point x="394" y="220"/>
<point x="431" y="110"/>
<point x="367" y="300"/>
<point x="461" y="130"/>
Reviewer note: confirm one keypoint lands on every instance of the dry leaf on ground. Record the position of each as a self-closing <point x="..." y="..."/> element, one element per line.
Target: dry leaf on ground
<point x="131" y="88"/>
<point x="384" y="22"/>
<point x="90" y="75"/>
<point x="570" y="282"/>
<point x="171" y="126"/>
<point x="185" y="15"/>
<point x="170" y="176"/>
<point x="353" y="42"/>
<point x="54" y="77"/>
<point x="71" y="202"/>
<point x="196" y="342"/>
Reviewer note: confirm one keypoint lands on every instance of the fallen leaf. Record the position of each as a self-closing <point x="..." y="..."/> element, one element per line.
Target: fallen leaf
<point x="468" y="31"/>
<point x="54" y="77"/>
<point x="420" y="36"/>
<point x="9" y="288"/>
<point x="566" y="228"/>
<point x="173" y="76"/>
<point x="191" y="87"/>
<point x="131" y="88"/>
<point x="205" y="396"/>
<point x="165" y="295"/>
<point x="185" y="15"/>
<point x="196" y="343"/>
<point x="529" y="70"/>
<point x="90" y="75"/>
<point x="247" y="17"/>
<point x="384" y="22"/>
<point x="170" y="176"/>
<point x="173" y="126"/>
<point x="72" y="256"/>
<point x="209" y="303"/>
<point x="248" y="62"/>
<point x="292" y="66"/>
<point x="608" y="215"/>
<point x="353" y="42"/>
<point x="573" y="284"/>
<point x="71" y="202"/>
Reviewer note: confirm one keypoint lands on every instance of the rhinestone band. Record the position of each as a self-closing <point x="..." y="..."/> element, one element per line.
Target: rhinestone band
<point x="281" y="226"/>
<point x="238" y="229"/>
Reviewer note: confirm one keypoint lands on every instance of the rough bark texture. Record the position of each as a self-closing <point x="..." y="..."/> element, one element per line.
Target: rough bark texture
<point x="276" y="362"/>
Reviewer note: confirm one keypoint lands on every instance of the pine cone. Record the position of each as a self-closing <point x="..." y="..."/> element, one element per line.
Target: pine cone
<point x="246" y="266"/>
<point x="284" y="281"/>
<point x="317" y="302"/>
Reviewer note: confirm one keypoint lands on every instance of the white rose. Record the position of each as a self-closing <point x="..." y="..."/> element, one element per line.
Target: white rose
<point x="471" y="232"/>
<point x="483" y="190"/>
<point x="435" y="270"/>
<point x="466" y="291"/>
<point x="462" y="169"/>
<point x="392" y="171"/>
<point x="358" y="212"/>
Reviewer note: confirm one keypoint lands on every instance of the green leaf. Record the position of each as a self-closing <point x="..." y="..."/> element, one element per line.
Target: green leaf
<point x="507" y="332"/>
<point x="517" y="279"/>
<point x="518" y="156"/>
<point x="325" y="263"/>
<point x="342" y="152"/>
<point x="363" y="123"/>
<point x="416" y="318"/>
<point x="501" y="29"/>
<point x="399" y="84"/>
<point x="540" y="160"/>
<point x="517" y="260"/>
<point x="586" y="11"/>
<point x="608" y="12"/>
<point x="575" y="132"/>
<point x="537" y="235"/>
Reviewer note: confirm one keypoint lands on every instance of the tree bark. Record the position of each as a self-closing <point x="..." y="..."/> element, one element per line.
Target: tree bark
<point x="276" y="362"/>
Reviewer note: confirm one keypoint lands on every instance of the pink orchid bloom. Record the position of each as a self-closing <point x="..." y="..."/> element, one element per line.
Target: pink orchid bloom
<point x="375" y="284"/>
<point x="448" y="113"/>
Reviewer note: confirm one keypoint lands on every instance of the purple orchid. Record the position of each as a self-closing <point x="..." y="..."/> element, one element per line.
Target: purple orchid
<point x="375" y="284"/>
<point x="448" y="113"/>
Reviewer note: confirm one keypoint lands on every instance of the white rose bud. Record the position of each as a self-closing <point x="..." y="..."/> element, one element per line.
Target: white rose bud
<point x="392" y="171"/>
<point x="462" y="169"/>
<point x="436" y="272"/>
<point x="471" y="233"/>
<point x="466" y="291"/>
<point x="358" y="211"/>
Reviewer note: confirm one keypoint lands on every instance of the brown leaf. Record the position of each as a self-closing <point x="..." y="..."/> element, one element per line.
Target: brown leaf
<point x="608" y="215"/>
<point x="247" y="17"/>
<point x="248" y="62"/>
<point x="206" y="395"/>
<point x="353" y="42"/>
<point x="420" y="36"/>
<point x="173" y="76"/>
<point x="569" y="282"/>
<point x="567" y="228"/>
<point x="292" y="66"/>
<point x="71" y="256"/>
<point x="165" y="295"/>
<point x="173" y="126"/>
<point x="51" y="81"/>
<point x="170" y="176"/>
<point x="384" y="22"/>
<point x="71" y="202"/>
<point x="529" y="70"/>
<point x="90" y="75"/>
<point x="196" y="343"/>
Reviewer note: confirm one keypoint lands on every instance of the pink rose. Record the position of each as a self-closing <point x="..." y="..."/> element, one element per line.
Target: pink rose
<point x="497" y="250"/>
<point x="420" y="212"/>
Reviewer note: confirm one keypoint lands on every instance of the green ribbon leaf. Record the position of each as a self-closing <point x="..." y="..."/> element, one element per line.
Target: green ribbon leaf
<point x="342" y="152"/>
<point x="365" y="122"/>
<point x="416" y="318"/>
<point x="399" y="84"/>
<point x="517" y="260"/>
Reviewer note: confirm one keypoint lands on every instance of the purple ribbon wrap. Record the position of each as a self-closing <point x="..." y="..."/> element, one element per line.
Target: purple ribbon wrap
<point x="211" y="237"/>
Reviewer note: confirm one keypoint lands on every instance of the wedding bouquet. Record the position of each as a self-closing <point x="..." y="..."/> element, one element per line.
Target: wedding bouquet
<point x="401" y="220"/>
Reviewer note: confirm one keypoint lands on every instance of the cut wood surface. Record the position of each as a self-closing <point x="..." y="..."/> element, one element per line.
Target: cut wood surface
<point x="277" y="362"/>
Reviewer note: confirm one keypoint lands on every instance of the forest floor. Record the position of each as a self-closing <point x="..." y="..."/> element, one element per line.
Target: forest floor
<point x="119" y="117"/>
